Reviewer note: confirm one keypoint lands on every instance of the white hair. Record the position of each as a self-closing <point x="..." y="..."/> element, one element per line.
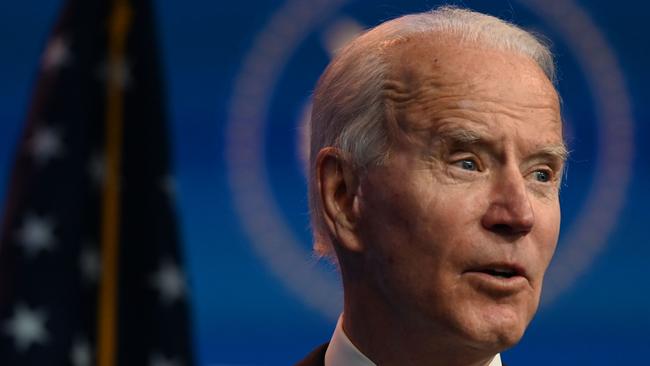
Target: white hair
<point x="348" y="108"/>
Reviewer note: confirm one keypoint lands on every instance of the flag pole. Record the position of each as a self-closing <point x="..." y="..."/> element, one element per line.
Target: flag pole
<point x="119" y="24"/>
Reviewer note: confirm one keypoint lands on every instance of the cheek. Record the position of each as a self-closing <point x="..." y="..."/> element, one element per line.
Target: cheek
<point x="419" y="236"/>
<point x="412" y="216"/>
<point x="399" y="225"/>
<point x="547" y="232"/>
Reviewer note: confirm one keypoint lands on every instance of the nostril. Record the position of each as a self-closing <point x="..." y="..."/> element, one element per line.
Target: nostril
<point x="502" y="229"/>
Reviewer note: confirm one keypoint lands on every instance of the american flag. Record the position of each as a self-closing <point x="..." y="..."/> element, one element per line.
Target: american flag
<point x="90" y="264"/>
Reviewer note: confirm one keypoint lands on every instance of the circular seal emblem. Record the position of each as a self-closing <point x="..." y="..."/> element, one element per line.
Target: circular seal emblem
<point x="253" y="183"/>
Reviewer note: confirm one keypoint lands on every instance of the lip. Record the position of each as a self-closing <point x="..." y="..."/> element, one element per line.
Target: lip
<point x="516" y="268"/>
<point x="482" y="278"/>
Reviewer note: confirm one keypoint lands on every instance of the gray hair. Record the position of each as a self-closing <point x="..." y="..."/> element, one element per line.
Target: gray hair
<point x="348" y="109"/>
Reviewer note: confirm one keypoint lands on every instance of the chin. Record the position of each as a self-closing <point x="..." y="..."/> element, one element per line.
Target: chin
<point x="505" y="337"/>
<point x="494" y="328"/>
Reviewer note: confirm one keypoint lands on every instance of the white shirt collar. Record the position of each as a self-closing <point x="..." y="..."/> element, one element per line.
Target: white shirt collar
<point x="341" y="351"/>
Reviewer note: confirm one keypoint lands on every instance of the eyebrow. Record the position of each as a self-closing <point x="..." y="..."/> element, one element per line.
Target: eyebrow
<point x="558" y="151"/>
<point x="461" y="136"/>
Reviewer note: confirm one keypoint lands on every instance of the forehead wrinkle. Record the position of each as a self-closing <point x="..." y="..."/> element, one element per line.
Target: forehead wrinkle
<point x="399" y="98"/>
<point x="456" y="133"/>
<point x="401" y="94"/>
<point x="437" y="96"/>
<point x="480" y="104"/>
<point x="436" y="115"/>
<point x="483" y="99"/>
<point x="497" y="112"/>
<point x="416" y="102"/>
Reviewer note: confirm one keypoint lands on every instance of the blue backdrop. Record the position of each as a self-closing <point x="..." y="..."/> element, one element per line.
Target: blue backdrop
<point x="239" y="76"/>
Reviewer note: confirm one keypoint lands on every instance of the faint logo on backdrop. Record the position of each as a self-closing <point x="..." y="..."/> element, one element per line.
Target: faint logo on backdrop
<point x="272" y="236"/>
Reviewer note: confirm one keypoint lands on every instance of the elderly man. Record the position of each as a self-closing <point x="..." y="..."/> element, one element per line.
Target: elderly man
<point x="436" y="159"/>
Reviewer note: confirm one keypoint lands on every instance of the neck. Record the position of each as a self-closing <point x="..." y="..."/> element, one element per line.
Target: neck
<point x="379" y="332"/>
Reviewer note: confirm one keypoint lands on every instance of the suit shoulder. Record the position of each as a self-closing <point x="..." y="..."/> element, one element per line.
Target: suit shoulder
<point x="316" y="357"/>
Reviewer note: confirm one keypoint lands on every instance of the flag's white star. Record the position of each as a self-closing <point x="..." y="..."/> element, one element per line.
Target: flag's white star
<point x="118" y="73"/>
<point x="36" y="234"/>
<point x="97" y="169"/>
<point x="170" y="282"/>
<point x="57" y="54"/>
<point x="90" y="264"/>
<point x="80" y="354"/>
<point x="27" y="327"/>
<point x="158" y="359"/>
<point x="45" y="144"/>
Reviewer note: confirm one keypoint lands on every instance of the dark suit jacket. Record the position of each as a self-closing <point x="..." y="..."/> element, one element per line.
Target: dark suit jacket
<point x="317" y="357"/>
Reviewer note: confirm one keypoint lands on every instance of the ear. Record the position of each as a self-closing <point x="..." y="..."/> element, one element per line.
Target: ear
<point x="339" y="193"/>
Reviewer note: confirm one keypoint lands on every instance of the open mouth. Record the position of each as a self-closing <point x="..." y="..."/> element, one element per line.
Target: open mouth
<point x="503" y="273"/>
<point x="498" y="279"/>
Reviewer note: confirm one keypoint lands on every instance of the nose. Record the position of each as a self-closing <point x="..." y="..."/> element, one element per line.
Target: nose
<point x="510" y="212"/>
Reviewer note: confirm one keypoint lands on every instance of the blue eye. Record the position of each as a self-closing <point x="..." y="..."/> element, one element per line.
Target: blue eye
<point x="468" y="164"/>
<point x="542" y="176"/>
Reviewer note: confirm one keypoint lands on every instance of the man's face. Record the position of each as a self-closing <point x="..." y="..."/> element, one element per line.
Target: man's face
<point x="461" y="222"/>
